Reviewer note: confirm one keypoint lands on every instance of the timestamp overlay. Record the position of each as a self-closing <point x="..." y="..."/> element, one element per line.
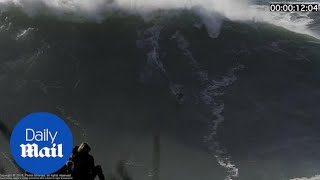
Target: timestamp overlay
<point x="294" y="6"/>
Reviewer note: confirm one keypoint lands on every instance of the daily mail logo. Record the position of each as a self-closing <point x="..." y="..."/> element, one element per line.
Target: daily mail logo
<point x="41" y="143"/>
<point x="32" y="150"/>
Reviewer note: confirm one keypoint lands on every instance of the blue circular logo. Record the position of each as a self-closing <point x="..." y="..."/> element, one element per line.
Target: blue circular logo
<point x="41" y="143"/>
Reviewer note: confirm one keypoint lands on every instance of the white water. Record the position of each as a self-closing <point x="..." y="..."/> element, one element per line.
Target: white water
<point x="209" y="94"/>
<point x="211" y="11"/>
<point x="316" y="177"/>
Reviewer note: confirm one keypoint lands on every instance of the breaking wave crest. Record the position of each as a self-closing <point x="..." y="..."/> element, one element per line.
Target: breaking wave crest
<point x="316" y="177"/>
<point x="212" y="12"/>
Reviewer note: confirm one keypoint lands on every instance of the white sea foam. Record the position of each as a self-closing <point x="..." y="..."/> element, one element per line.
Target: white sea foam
<point x="316" y="177"/>
<point x="149" y="41"/>
<point x="210" y="11"/>
<point x="211" y="89"/>
<point x="24" y="33"/>
<point x="208" y="95"/>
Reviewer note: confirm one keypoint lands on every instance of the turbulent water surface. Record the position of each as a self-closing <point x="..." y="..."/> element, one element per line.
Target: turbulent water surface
<point x="232" y="88"/>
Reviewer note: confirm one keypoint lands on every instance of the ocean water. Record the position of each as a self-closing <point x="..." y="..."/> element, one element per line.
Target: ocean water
<point x="231" y="87"/>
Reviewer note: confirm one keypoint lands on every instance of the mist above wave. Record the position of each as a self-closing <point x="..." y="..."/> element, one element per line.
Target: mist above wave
<point x="211" y="12"/>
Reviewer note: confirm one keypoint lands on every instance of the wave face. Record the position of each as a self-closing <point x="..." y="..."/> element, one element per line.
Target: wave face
<point x="233" y="94"/>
